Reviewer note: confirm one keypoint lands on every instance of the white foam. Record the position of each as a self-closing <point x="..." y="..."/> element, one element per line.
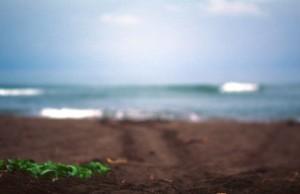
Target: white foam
<point x="193" y="117"/>
<point x="20" y="92"/>
<point x="136" y="114"/>
<point x="239" y="87"/>
<point x="68" y="113"/>
<point x="132" y="114"/>
<point x="119" y="115"/>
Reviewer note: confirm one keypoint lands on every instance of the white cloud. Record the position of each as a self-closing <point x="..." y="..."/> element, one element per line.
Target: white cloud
<point x="122" y="20"/>
<point x="236" y="7"/>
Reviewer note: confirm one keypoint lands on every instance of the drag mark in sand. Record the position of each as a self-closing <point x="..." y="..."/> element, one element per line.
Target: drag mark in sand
<point x="148" y="143"/>
<point x="129" y="146"/>
<point x="178" y="146"/>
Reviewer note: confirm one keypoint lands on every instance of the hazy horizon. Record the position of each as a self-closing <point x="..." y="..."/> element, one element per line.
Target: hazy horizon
<point x="156" y="42"/>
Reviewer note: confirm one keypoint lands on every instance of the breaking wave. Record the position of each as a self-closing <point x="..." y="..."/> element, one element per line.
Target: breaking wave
<point x="125" y="114"/>
<point x="20" y="92"/>
<point x="68" y="113"/>
<point x="239" y="87"/>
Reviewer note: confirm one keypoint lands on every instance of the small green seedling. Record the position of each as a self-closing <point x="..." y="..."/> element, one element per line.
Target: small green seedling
<point x="51" y="170"/>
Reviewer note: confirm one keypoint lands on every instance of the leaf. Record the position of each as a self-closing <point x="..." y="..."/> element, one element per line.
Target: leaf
<point x="48" y="173"/>
<point x="34" y="171"/>
<point x="53" y="170"/>
<point x="2" y="165"/>
<point x="98" y="167"/>
<point x="73" y="170"/>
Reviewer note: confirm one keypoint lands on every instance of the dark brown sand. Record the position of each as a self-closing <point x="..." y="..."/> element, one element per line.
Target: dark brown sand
<point x="158" y="157"/>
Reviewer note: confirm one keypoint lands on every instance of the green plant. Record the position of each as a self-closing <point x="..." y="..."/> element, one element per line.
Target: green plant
<point x="53" y="170"/>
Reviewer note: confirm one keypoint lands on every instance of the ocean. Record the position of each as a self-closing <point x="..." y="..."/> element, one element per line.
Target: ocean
<point x="228" y="101"/>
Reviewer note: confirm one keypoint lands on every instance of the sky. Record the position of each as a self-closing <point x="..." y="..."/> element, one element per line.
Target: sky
<point x="149" y="42"/>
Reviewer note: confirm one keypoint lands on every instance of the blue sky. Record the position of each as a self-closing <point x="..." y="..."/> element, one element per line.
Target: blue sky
<point x="154" y="42"/>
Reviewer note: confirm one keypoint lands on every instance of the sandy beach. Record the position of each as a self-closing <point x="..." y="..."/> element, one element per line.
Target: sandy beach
<point x="156" y="156"/>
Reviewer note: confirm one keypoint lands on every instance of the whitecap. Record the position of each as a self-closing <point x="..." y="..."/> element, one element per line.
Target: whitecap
<point x="20" y="92"/>
<point x="132" y="114"/>
<point x="135" y="114"/>
<point x="193" y="117"/>
<point x="68" y="113"/>
<point x="119" y="115"/>
<point x="239" y="87"/>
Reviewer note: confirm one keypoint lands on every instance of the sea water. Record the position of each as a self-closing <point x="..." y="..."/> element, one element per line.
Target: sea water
<point x="233" y="101"/>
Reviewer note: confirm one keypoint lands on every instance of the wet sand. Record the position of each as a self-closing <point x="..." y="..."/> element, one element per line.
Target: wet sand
<point x="156" y="156"/>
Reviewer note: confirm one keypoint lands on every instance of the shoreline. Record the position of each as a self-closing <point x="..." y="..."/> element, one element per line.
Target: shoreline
<point x="202" y="120"/>
<point x="158" y="156"/>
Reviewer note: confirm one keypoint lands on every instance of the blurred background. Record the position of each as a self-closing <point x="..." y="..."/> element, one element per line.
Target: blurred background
<point x="224" y="59"/>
